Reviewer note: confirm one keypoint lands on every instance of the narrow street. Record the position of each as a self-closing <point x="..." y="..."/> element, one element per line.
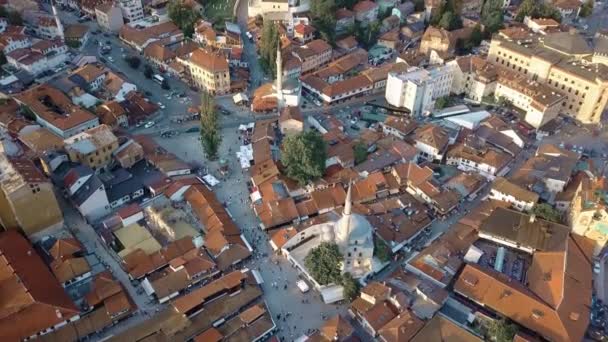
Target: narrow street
<point x="93" y="244"/>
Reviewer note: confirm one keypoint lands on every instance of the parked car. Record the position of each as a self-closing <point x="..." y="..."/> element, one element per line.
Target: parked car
<point x="193" y="129"/>
<point x="149" y="124"/>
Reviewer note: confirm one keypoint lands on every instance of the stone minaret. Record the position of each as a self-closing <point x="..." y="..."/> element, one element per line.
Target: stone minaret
<point x="279" y="85"/>
<point x="57" y="22"/>
<point x="343" y="225"/>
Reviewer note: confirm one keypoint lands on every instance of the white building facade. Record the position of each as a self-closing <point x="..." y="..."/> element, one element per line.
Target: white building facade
<point x="132" y="10"/>
<point x="417" y="89"/>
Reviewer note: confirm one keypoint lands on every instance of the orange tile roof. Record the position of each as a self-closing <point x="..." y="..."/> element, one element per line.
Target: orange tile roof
<point x="159" y="52"/>
<point x="209" y="335"/>
<point x="66" y="116"/>
<point x="440" y="329"/>
<point x="103" y="286"/>
<point x="282" y="235"/>
<point x="364" y="6"/>
<point x="336" y="329"/>
<point x="187" y="302"/>
<point x="65" y="248"/>
<point x="210" y="211"/>
<point x="556" y="303"/>
<point x="401" y="328"/>
<point x="32" y="299"/>
<point x="89" y="72"/>
<point x="209" y="61"/>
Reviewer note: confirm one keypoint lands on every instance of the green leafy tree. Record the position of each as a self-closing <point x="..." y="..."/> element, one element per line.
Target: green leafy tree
<point x="351" y="287"/>
<point x="501" y="330"/>
<point x="183" y="16"/>
<point x="165" y="84"/>
<point x="347" y="3"/>
<point x="442" y="102"/>
<point x="367" y="36"/>
<point x="475" y="38"/>
<point x="324" y="263"/>
<point x="269" y="43"/>
<point x="450" y="21"/>
<point x="148" y="72"/>
<point x="381" y="250"/>
<point x="360" y="151"/>
<point x="304" y="156"/>
<point x="133" y="61"/>
<point x="12" y="17"/>
<point x="323" y="18"/>
<point x="27" y="113"/>
<point x="547" y="212"/>
<point x="492" y="16"/>
<point x="587" y="8"/>
<point x="74" y="44"/>
<point x="537" y="9"/>
<point x="210" y="127"/>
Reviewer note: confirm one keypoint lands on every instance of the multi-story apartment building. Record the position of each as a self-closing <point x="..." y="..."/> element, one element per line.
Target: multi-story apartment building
<point x="12" y="41"/>
<point x="474" y="77"/>
<point x="208" y="71"/>
<point x="366" y="12"/>
<point x="109" y="17"/>
<point x="41" y="56"/>
<point x="132" y="10"/>
<point x="93" y="147"/>
<point x="519" y="198"/>
<point x="560" y="61"/>
<point x="416" y="89"/>
<point x="540" y="102"/>
<point x="261" y="7"/>
<point x="313" y="55"/>
<point x="27" y="199"/>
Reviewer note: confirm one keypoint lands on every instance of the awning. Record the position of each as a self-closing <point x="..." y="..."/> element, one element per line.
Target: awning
<point x="212" y="181"/>
<point x="240" y="98"/>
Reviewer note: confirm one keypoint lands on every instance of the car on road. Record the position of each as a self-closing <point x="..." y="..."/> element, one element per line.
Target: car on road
<point x="149" y="124"/>
<point x="193" y="130"/>
<point x="161" y="105"/>
<point x="355" y="127"/>
<point x="596" y="267"/>
<point x="102" y="60"/>
<point x="111" y="59"/>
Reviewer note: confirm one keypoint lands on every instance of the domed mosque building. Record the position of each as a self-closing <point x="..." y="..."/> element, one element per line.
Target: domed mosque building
<point x="353" y="235"/>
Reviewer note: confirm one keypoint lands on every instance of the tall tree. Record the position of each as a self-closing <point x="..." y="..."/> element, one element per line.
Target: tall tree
<point x="367" y="36"/>
<point x="492" y="15"/>
<point x="269" y="43"/>
<point x="536" y="9"/>
<point x="360" y="151"/>
<point x="501" y="330"/>
<point x="210" y="128"/>
<point x="450" y="21"/>
<point x="547" y="212"/>
<point x="323" y="18"/>
<point x="323" y="263"/>
<point x="351" y="287"/>
<point x="304" y="156"/>
<point x="183" y="16"/>
<point x="587" y="8"/>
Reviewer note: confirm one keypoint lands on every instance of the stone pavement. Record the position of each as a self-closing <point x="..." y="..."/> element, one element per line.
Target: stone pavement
<point x="233" y="191"/>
